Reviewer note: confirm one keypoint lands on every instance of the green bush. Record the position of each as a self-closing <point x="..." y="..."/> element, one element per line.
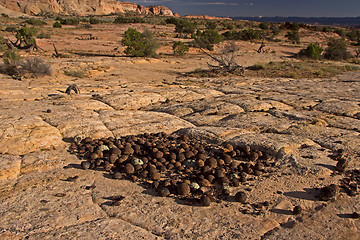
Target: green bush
<point x="264" y="26"/>
<point x="354" y="35"/>
<point x="180" y="48"/>
<point x="26" y="35"/>
<point x="11" y="59"/>
<point x="337" y="50"/>
<point x="312" y="51"/>
<point x="211" y="25"/>
<point x="207" y="39"/>
<point x="35" y="22"/>
<point x="57" y="25"/>
<point x="122" y="19"/>
<point x="172" y="20"/>
<point x="185" y="26"/>
<point x="139" y="44"/>
<point x="93" y="20"/>
<point x="4" y="15"/>
<point x="275" y="29"/>
<point x="3" y="46"/>
<point x="68" y="21"/>
<point x="293" y="36"/>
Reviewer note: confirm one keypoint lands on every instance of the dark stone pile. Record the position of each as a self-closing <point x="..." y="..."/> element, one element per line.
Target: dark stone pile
<point x="181" y="166"/>
<point x="350" y="183"/>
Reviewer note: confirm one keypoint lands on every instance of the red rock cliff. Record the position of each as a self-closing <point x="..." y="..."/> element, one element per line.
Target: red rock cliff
<point x="81" y="7"/>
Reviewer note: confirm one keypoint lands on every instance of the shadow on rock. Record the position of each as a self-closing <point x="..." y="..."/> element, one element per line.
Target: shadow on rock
<point x="308" y="194"/>
<point x="281" y="211"/>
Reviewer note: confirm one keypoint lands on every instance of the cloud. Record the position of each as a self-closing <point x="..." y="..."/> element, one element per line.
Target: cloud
<point x="249" y="4"/>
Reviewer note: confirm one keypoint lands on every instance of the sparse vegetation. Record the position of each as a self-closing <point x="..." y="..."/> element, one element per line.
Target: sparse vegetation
<point x="122" y="19"/>
<point x="44" y="35"/>
<point x="35" y="22"/>
<point x="93" y="20"/>
<point x="78" y="73"/>
<point x="180" y="48"/>
<point x="34" y="66"/>
<point x="303" y="69"/>
<point x="139" y="44"/>
<point x="245" y="35"/>
<point x="337" y="50"/>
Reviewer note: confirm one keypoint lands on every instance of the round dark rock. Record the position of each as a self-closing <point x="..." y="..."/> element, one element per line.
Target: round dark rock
<point x="85" y="164"/>
<point x="235" y="182"/>
<point x="128" y="150"/>
<point x="205" y="201"/>
<point x="155" y="175"/>
<point x="113" y="158"/>
<point x="163" y="192"/>
<point x="227" y="159"/>
<point x="117" y="175"/>
<point x="129" y="168"/>
<point x="158" y="154"/>
<point x="211" y="162"/>
<point x="259" y="166"/>
<point x="341" y="165"/>
<point x="329" y="192"/>
<point x="240" y="197"/>
<point x="297" y="210"/>
<point x="183" y="189"/>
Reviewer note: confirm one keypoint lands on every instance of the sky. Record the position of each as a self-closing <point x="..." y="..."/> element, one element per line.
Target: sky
<point x="265" y="8"/>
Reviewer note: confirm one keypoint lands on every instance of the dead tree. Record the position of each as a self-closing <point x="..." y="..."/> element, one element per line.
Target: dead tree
<point x="261" y="48"/>
<point x="72" y="87"/>
<point x="226" y="62"/>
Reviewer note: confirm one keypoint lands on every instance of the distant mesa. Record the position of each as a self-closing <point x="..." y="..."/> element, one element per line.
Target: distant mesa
<point x="206" y="17"/>
<point x="80" y="7"/>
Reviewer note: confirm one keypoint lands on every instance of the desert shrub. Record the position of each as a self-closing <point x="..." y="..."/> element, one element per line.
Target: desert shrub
<point x="57" y="25"/>
<point x="337" y="50"/>
<point x="275" y="29"/>
<point x="245" y="35"/>
<point x="35" y="66"/>
<point x="185" y="26"/>
<point x="26" y="35"/>
<point x="122" y="19"/>
<point x="4" y="15"/>
<point x="180" y="48"/>
<point x="211" y="25"/>
<point x="340" y="32"/>
<point x="172" y="20"/>
<point x="93" y="20"/>
<point x="354" y="35"/>
<point x="207" y="39"/>
<point x="35" y="22"/>
<point x="312" y="51"/>
<point x="86" y="26"/>
<point x="139" y="44"/>
<point x="68" y="21"/>
<point x="291" y="26"/>
<point x="11" y="29"/>
<point x="3" y="46"/>
<point x="78" y="73"/>
<point x="264" y="25"/>
<point x="44" y="35"/>
<point x="11" y="59"/>
<point x="256" y="67"/>
<point x="293" y="36"/>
